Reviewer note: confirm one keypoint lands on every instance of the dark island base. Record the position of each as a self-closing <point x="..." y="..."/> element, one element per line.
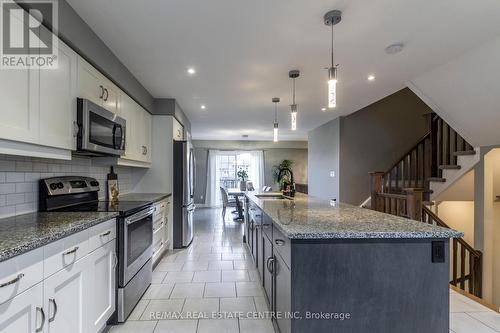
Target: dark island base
<point x="384" y="286"/>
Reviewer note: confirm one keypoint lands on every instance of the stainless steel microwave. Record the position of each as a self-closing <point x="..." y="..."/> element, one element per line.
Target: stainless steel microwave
<point x="100" y="132"/>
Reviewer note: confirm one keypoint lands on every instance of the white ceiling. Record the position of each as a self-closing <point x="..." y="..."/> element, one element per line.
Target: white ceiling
<point x="242" y="51"/>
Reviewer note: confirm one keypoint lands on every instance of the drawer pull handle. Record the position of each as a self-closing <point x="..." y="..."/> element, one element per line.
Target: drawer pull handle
<point x="106" y="233"/>
<point x="71" y="251"/>
<point x="43" y="319"/>
<point x="14" y="280"/>
<point x="279" y="242"/>
<point x="53" y="301"/>
<point x="270" y="264"/>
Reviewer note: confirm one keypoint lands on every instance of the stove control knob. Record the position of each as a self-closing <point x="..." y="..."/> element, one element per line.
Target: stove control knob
<point x="94" y="183"/>
<point x="60" y="185"/>
<point x="53" y="186"/>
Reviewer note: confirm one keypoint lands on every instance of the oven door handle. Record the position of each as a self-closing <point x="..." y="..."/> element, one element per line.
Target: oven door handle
<point x="139" y="216"/>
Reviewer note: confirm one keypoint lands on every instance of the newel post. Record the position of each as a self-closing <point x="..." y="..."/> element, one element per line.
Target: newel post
<point x="414" y="203"/>
<point x="376" y="181"/>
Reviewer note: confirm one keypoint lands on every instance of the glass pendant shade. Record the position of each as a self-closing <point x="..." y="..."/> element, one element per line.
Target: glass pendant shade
<point x="332" y="87"/>
<point x="275" y="132"/>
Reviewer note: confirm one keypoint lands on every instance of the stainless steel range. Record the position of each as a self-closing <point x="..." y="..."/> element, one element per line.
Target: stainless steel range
<point x="134" y="225"/>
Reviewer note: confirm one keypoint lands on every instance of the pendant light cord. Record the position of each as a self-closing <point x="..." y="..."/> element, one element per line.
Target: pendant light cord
<point x="332" y="47"/>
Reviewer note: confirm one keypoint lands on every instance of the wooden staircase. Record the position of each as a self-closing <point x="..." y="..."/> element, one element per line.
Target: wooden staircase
<point x="405" y="190"/>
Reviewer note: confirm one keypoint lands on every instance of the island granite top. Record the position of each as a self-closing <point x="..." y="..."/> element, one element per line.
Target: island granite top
<point x="308" y="217"/>
<point x="152" y="197"/>
<point x="23" y="233"/>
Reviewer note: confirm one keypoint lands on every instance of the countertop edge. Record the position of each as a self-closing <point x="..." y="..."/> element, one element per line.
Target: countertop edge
<point x="50" y="238"/>
<point x="444" y="234"/>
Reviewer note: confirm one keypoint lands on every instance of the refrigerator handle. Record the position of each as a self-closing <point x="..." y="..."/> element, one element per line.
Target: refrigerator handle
<point x="193" y="166"/>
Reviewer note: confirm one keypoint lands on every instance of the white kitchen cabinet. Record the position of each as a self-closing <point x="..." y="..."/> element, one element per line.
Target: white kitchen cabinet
<point x="18" y="104"/>
<point x="24" y="313"/>
<point x="101" y="281"/>
<point x="94" y="86"/>
<point x="57" y="101"/>
<point x="138" y="130"/>
<point x="66" y="299"/>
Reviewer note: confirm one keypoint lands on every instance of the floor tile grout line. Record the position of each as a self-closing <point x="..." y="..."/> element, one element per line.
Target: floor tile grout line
<point x="479" y="320"/>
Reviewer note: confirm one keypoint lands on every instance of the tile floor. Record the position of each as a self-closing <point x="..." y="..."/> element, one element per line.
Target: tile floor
<point x="216" y="274"/>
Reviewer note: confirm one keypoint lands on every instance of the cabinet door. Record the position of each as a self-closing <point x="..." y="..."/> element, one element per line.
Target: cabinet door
<point x="101" y="282"/>
<point x="147" y="119"/>
<point x="58" y="100"/>
<point x="127" y="112"/>
<point x="65" y="298"/>
<point x="282" y="293"/>
<point x="89" y="82"/>
<point x="111" y="97"/>
<point x="267" y="259"/>
<point x="19" y="102"/>
<point x="23" y="313"/>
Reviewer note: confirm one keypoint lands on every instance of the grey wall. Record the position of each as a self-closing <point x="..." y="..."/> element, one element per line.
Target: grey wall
<point x="274" y="153"/>
<point x="324" y="147"/>
<point x="371" y="139"/>
<point x="78" y="35"/>
<point x="170" y="107"/>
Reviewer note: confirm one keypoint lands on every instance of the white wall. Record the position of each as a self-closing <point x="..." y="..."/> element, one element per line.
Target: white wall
<point x="464" y="92"/>
<point x="459" y="215"/>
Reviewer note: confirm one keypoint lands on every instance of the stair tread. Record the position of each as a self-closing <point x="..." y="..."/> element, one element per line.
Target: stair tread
<point x="450" y="167"/>
<point x="428" y="203"/>
<point x="464" y="152"/>
<point x="436" y="179"/>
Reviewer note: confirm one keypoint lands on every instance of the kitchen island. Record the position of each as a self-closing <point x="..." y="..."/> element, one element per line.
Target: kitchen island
<point x="342" y="268"/>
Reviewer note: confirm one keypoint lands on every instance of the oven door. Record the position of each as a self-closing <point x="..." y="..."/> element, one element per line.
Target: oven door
<point x="135" y="244"/>
<point x="100" y="130"/>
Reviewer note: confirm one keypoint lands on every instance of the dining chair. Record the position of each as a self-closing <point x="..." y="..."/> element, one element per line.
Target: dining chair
<point x="250" y="186"/>
<point x="226" y="202"/>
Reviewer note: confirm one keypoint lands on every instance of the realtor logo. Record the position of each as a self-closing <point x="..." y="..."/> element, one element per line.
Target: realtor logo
<point x="26" y="40"/>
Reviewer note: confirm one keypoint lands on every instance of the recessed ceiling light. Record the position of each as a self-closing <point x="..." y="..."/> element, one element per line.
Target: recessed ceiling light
<point x="244" y="136"/>
<point x="371" y="77"/>
<point x="323" y="109"/>
<point x="191" y="71"/>
<point x="203" y="106"/>
<point x="394" y="48"/>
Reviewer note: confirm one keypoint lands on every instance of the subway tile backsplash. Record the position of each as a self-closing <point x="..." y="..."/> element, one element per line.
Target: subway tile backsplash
<point x="19" y="179"/>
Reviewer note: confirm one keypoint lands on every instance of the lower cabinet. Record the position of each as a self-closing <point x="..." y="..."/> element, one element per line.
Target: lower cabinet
<point x="282" y="293"/>
<point x="101" y="281"/>
<point x="66" y="298"/>
<point x="24" y="313"/>
<point x="268" y="276"/>
<point x="78" y="297"/>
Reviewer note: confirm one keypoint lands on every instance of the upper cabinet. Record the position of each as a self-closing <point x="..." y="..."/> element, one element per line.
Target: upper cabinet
<point x="95" y="87"/>
<point x="38" y="105"/>
<point x="138" y="131"/>
<point x="38" y="116"/>
<point x="57" y="101"/>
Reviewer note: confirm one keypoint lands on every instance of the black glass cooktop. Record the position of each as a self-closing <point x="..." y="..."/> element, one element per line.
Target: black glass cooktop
<point x="121" y="207"/>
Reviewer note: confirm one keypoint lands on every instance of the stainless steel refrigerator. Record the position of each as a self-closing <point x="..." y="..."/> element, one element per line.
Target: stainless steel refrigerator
<point x="183" y="197"/>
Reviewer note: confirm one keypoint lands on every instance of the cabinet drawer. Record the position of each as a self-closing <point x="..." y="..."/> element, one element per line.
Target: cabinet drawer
<point x="101" y="234"/>
<point x="282" y="245"/>
<point x="158" y="250"/>
<point x="20" y="273"/>
<point x="65" y="252"/>
<point x="158" y="232"/>
<point x="161" y="208"/>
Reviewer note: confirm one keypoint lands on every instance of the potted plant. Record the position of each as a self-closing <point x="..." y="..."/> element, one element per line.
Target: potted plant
<point x="276" y="170"/>
<point x="242" y="176"/>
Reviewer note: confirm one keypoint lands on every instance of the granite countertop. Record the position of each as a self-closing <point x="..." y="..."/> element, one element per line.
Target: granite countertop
<point x="23" y="233"/>
<point x="152" y="197"/>
<point x="307" y="217"/>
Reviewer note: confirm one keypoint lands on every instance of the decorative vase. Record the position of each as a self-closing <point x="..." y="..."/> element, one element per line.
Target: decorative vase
<point x="243" y="185"/>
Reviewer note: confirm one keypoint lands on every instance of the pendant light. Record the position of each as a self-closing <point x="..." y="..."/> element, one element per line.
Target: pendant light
<point x="332" y="18"/>
<point x="293" y="74"/>
<point x="275" y="100"/>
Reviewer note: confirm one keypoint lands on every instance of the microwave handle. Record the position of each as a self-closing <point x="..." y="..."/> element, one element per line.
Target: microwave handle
<point x="117" y="145"/>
